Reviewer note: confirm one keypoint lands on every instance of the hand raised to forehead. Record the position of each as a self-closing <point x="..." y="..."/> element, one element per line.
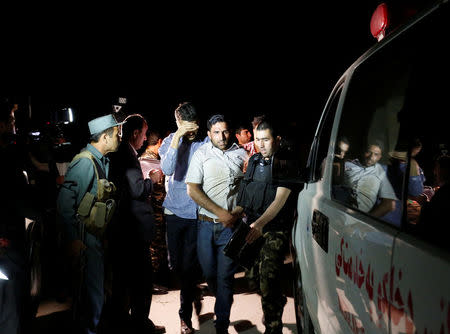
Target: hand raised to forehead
<point x="185" y="127"/>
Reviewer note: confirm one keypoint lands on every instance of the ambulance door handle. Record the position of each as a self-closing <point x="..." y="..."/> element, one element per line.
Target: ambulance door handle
<point x="319" y="227"/>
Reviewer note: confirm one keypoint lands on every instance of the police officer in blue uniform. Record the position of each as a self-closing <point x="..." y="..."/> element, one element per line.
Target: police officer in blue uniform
<point x="79" y="180"/>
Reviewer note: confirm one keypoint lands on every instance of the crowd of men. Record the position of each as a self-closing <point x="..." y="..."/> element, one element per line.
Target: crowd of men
<point x="212" y="185"/>
<point x="109" y="208"/>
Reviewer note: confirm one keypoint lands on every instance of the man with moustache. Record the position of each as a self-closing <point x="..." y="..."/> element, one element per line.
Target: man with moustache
<point x="132" y="233"/>
<point x="213" y="182"/>
<point x="82" y="178"/>
<point x="270" y="214"/>
<point x="372" y="191"/>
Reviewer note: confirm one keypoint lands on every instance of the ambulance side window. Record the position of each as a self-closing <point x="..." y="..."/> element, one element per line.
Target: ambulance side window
<point x="323" y="140"/>
<point x="427" y="102"/>
<point x="365" y="175"/>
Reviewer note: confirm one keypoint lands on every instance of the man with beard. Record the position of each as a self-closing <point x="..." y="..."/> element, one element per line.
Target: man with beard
<point x="270" y="216"/>
<point x="213" y="182"/>
<point x="373" y="193"/>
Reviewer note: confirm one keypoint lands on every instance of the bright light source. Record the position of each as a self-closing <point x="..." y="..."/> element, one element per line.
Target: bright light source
<point x="66" y="122"/>
<point x="25" y="174"/>
<point x="70" y="114"/>
<point x="3" y="276"/>
<point x="28" y="222"/>
<point x="379" y="22"/>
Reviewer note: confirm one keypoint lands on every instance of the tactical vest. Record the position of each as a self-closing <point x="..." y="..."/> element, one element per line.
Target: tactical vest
<point x="256" y="197"/>
<point x="96" y="210"/>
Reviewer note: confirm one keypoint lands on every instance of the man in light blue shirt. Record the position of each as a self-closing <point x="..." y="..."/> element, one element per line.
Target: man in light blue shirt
<point x="180" y="210"/>
<point x="367" y="178"/>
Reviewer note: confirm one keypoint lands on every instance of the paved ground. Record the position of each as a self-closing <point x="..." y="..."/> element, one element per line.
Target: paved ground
<point x="246" y="313"/>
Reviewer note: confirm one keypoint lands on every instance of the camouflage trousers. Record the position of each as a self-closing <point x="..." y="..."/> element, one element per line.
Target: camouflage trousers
<point x="266" y="277"/>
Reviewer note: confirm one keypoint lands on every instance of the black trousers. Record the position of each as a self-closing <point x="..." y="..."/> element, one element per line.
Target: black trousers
<point x="182" y="248"/>
<point x="132" y="280"/>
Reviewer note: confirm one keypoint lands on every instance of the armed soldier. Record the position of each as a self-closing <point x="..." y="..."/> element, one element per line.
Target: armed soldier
<point x="268" y="210"/>
<point x="84" y="208"/>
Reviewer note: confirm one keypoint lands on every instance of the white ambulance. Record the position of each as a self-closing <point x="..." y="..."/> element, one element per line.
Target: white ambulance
<point x="364" y="260"/>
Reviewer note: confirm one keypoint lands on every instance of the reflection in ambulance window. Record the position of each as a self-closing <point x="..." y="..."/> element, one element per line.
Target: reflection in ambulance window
<point x="426" y="104"/>
<point x="371" y="190"/>
<point x="432" y="224"/>
<point x="371" y="125"/>
<point x="342" y="147"/>
<point x="396" y="174"/>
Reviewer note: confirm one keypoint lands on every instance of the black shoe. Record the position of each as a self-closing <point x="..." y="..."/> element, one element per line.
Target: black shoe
<point x="148" y="327"/>
<point x="221" y="331"/>
<point x="154" y="329"/>
<point x="120" y="322"/>
<point x="186" y="328"/>
<point x="159" y="329"/>
<point x="159" y="290"/>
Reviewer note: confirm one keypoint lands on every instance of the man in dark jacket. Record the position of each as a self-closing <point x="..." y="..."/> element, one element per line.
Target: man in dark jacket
<point x="268" y="210"/>
<point x="132" y="232"/>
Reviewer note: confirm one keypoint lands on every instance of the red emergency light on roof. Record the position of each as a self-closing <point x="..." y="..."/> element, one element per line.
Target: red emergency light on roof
<point x="379" y="22"/>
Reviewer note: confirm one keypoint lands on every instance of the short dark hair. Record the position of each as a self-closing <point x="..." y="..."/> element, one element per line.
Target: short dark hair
<point x="344" y="140"/>
<point x="257" y="120"/>
<point x="341" y="139"/>
<point x="132" y="122"/>
<point x="96" y="136"/>
<point x="376" y="142"/>
<point x="416" y="143"/>
<point x="153" y="137"/>
<point x="216" y="119"/>
<point x="240" y="128"/>
<point x="186" y="112"/>
<point x="265" y="124"/>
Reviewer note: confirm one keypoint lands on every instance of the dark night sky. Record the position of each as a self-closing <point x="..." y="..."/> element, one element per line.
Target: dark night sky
<point x="279" y="59"/>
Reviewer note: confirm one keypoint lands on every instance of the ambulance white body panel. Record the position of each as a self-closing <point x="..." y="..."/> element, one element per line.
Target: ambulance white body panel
<point x="356" y="272"/>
